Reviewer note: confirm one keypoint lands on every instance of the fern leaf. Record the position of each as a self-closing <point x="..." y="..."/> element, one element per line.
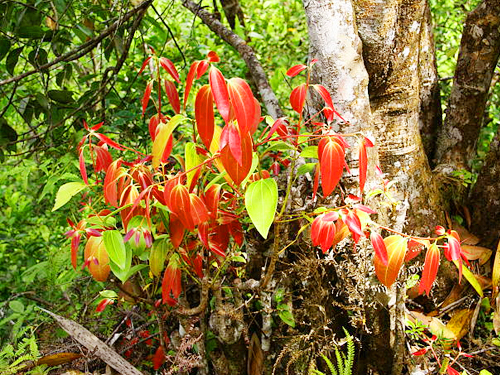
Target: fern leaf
<point x="329" y="364"/>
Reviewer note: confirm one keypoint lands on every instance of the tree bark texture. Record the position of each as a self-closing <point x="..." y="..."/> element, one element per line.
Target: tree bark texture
<point x="478" y="56"/>
<point x="485" y="198"/>
<point x="246" y="52"/>
<point x="392" y="34"/>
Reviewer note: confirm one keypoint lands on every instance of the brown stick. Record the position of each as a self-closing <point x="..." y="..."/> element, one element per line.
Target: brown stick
<point x="246" y="52"/>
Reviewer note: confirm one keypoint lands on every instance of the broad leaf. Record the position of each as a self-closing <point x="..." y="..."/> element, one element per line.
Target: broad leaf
<point x="331" y="162"/>
<point x="261" y="200"/>
<point x="469" y="277"/>
<point x="173" y="96"/>
<point x="113" y="241"/>
<point x="294" y="70"/>
<point x="396" y="249"/>
<point x="96" y="258"/>
<point x="66" y="192"/>
<point x="298" y="98"/>
<point x="162" y="138"/>
<point x="220" y="93"/>
<point x="204" y="114"/>
<point x="238" y="172"/>
<point x="243" y="103"/>
<point x="431" y="266"/>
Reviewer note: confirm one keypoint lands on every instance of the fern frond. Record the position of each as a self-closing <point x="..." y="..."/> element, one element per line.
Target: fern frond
<point x="340" y="362"/>
<point x="329" y="364"/>
<point x="349" y="363"/>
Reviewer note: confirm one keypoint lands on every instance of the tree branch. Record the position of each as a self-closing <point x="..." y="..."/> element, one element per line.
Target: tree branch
<point x="84" y="48"/>
<point x="246" y="52"/>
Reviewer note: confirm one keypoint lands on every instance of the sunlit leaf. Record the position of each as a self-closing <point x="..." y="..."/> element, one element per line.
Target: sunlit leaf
<point x="219" y="92"/>
<point x="204" y="114"/>
<point x="113" y="241"/>
<point x="396" y="249"/>
<point x="162" y="138"/>
<point x="261" y="201"/>
<point x="66" y="192"/>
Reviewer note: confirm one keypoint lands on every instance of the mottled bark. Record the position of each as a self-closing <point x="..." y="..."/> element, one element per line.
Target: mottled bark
<point x="391" y="34"/>
<point x="247" y="53"/>
<point x="232" y="9"/>
<point x="485" y="198"/>
<point x="479" y="53"/>
<point x="430" y="117"/>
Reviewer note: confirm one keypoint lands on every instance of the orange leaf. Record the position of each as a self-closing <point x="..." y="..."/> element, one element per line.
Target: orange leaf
<point x="171" y="280"/>
<point x="189" y="81"/>
<point x="235" y="171"/>
<point x="204" y="114"/>
<point x="431" y="266"/>
<point x="396" y="249"/>
<point x="243" y="103"/>
<point x="379" y="247"/>
<point x="147" y="95"/>
<point x="331" y="163"/>
<point x="96" y="258"/>
<point x="298" y="98"/>
<point x="173" y="96"/>
<point x="220" y="93"/>
<point x="363" y="163"/>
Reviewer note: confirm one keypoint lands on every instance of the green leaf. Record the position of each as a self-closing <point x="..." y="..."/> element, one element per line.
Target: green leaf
<point x="4" y="47"/>
<point x="470" y="278"/>
<point x="310" y="152"/>
<point x="113" y="241"/>
<point x="306" y="168"/>
<point x="12" y="59"/>
<point x="66" y="192"/>
<point x="286" y="315"/>
<point x="279" y="146"/>
<point x="16" y="306"/>
<point x="61" y="96"/>
<point x="108" y="294"/>
<point x="261" y="200"/>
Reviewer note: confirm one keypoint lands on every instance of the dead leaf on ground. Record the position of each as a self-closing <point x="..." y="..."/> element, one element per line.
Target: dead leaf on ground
<point x="455" y="295"/>
<point x="94" y="345"/>
<point x="465" y="236"/>
<point x="483" y="254"/>
<point x="459" y="323"/>
<point x="435" y="325"/>
<point x="58" y="359"/>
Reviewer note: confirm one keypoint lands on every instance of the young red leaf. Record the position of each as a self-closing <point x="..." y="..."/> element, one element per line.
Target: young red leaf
<point x="379" y="247"/>
<point x="189" y="81"/>
<point x="453" y="252"/>
<point x="236" y="231"/>
<point x="451" y="371"/>
<point x="179" y="202"/>
<point x="294" y="70"/>
<point x="170" y="68"/>
<point x="96" y="258"/>
<point x="159" y="358"/>
<point x="211" y="198"/>
<point x="431" y="266"/>
<point x="323" y="92"/>
<point x="103" y="158"/>
<point x="113" y="173"/>
<point x="130" y="196"/>
<point x="83" y="169"/>
<point x="280" y="126"/>
<point x="323" y="232"/>
<point x="298" y="98"/>
<point x="396" y="249"/>
<point x="243" y="103"/>
<point x="331" y="162"/>
<point x="204" y="114"/>
<point x="176" y="230"/>
<point x="199" y="211"/>
<point x="213" y="57"/>
<point x="354" y="224"/>
<point x="97" y="126"/>
<point x="147" y="95"/>
<point x="420" y="352"/>
<point x="109" y="142"/>
<point x="238" y="172"/>
<point x="102" y="305"/>
<point x="171" y="279"/>
<point x="363" y="165"/>
<point x="144" y="64"/>
<point x="173" y="96"/>
<point x="231" y="137"/>
<point x="220" y="92"/>
<point x="201" y="69"/>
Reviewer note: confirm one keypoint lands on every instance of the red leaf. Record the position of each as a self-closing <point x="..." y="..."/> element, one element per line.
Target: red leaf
<point x="220" y="93"/>
<point x="201" y="69"/>
<point x="113" y="173"/>
<point x="173" y="96"/>
<point x="83" y="170"/>
<point x="243" y="103"/>
<point x="379" y="247"/>
<point x="159" y="358"/>
<point x="211" y="197"/>
<point x="176" y="230"/>
<point x="147" y="95"/>
<point x="327" y="98"/>
<point x="144" y="64"/>
<point x="231" y="137"/>
<point x="171" y="279"/>
<point x="213" y="57"/>
<point x="199" y="211"/>
<point x="238" y="172"/>
<point x="396" y="249"/>
<point x="280" y="126"/>
<point x="294" y="70"/>
<point x="204" y="114"/>
<point x="108" y="141"/>
<point x="189" y="81"/>
<point x="431" y="266"/>
<point x="420" y="352"/>
<point x="363" y="164"/>
<point x="179" y="202"/>
<point x="331" y="162"/>
<point x="170" y="68"/>
<point x="102" y="305"/>
<point x="414" y="248"/>
<point x="236" y="231"/>
<point x="451" y="371"/>
<point x="103" y="158"/>
<point x="323" y="232"/>
<point x="354" y="224"/>
<point x="298" y="98"/>
<point x="97" y="127"/>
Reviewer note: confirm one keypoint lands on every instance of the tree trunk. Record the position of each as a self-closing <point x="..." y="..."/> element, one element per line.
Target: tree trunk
<point x="392" y="42"/>
<point x="479" y="53"/>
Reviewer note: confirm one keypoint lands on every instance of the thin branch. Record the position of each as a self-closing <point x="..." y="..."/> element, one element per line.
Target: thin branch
<point x="246" y="52"/>
<point x="85" y="47"/>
